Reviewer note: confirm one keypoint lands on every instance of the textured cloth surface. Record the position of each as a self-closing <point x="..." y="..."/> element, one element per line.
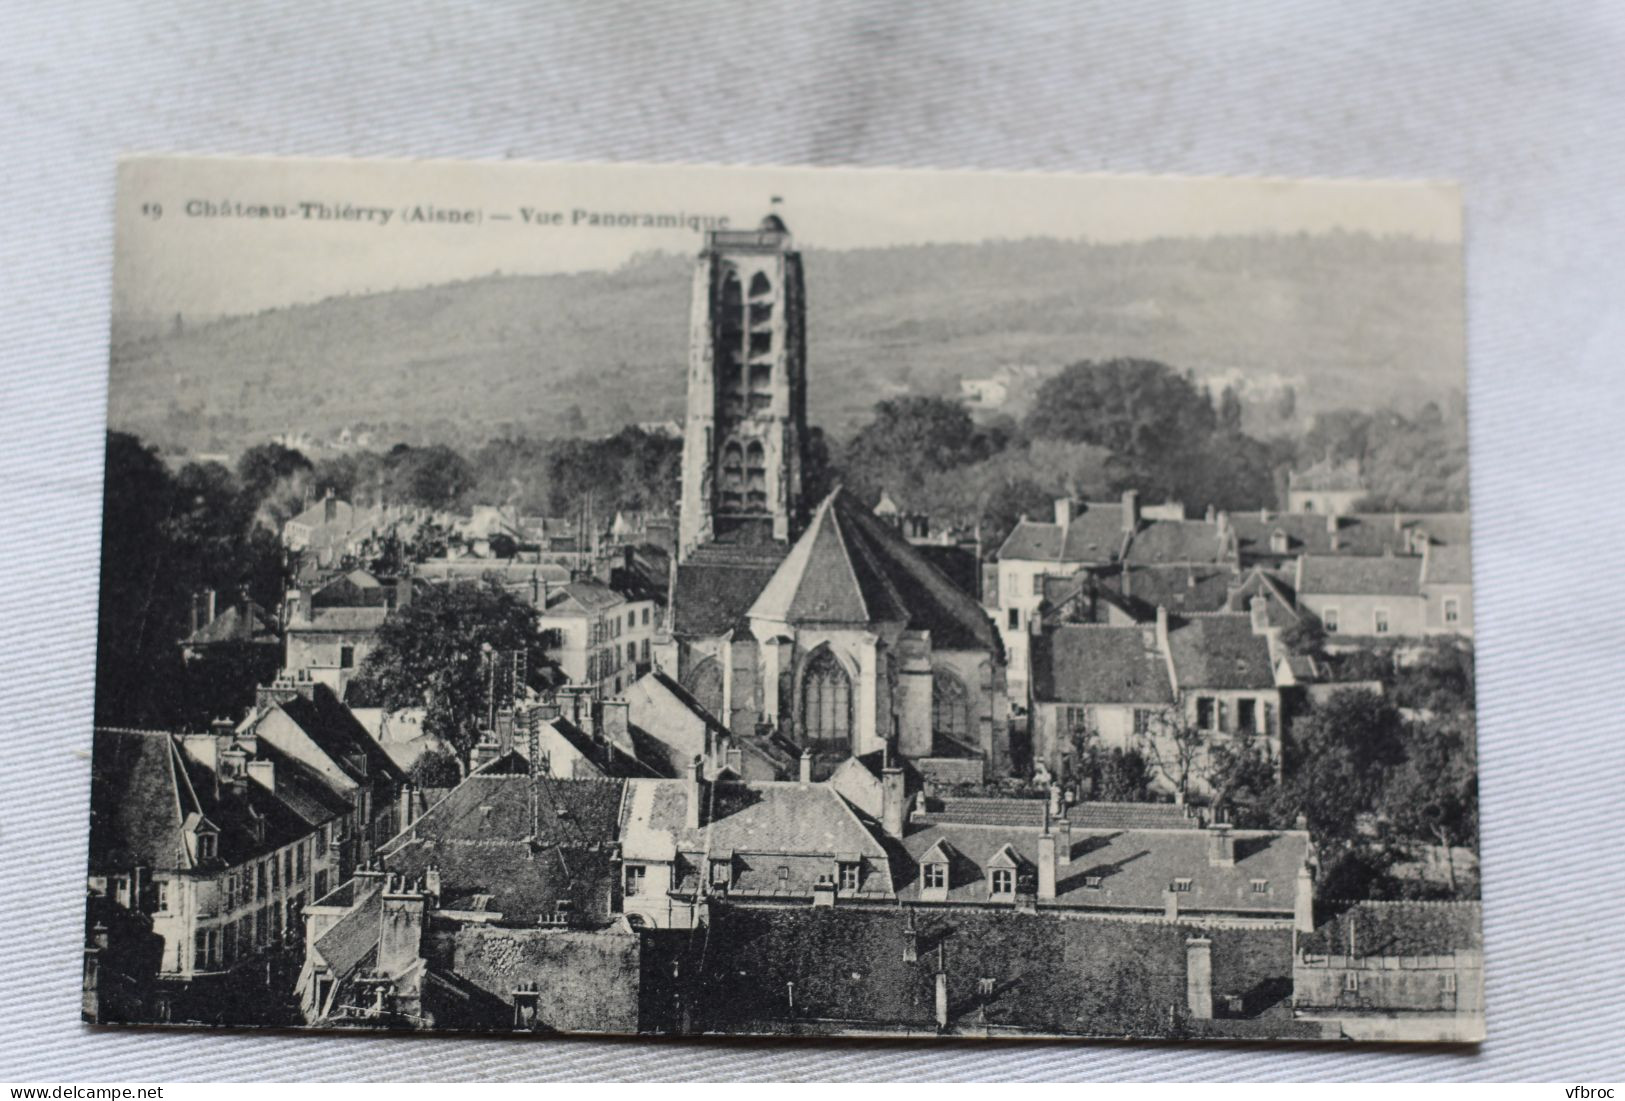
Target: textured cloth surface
<point x="1519" y="102"/>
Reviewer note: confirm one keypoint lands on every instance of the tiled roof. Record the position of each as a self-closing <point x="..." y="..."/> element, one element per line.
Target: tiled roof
<point x="1092" y="976"/>
<point x="581" y="597"/>
<point x="1448" y="566"/>
<point x="1095" y="535"/>
<point x="302" y="788"/>
<point x="1282" y="601"/>
<point x="606" y="758"/>
<point x="1219" y="651"/>
<point x="482" y="840"/>
<point x="1182" y="588"/>
<point x="1134" y="867"/>
<point x="1357" y="534"/>
<point x="715" y="588"/>
<point x="238" y="623"/>
<point x="1398" y="929"/>
<point x="1090" y="663"/>
<point x="341" y="619"/>
<point x="1327" y="476"/>
<point x="1380" y="576"/>
<point x="1176" y="542"/>
<point x="849" y="567"/>
<point x="1131" y="816"/>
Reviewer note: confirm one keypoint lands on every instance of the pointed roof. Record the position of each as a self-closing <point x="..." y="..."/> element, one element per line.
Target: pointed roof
<point x="851" y="567"/>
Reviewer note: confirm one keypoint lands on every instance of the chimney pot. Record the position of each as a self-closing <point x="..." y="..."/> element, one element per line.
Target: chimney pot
<point x="1063" y="511"/>
<point x="1047" y="872"/>
<point x="1063" y="841"/>
<point x="1221" y="845"/>
<point x="696" y="792"/>
<point x="806" y="763"/>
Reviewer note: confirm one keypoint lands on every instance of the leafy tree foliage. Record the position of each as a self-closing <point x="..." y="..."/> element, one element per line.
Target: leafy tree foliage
<point x="909" y="439"/>
<point x="437" y="768"/>
<point x="438" y="652"/>
<point x="1134" y="407"/>
<point x="1342" y="750"/>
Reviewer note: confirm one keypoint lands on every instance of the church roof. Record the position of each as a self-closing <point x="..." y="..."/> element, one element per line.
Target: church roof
<point x="850" y="567"/>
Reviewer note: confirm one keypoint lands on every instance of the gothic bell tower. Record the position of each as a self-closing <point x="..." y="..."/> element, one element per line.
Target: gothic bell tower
<point x="747" y="391"/>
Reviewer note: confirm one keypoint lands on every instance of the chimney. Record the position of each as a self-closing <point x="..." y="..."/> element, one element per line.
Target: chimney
<point x="1211" y="514"/>
<point x="1221" y="846"/>
<point x="911" y="938"/>
<point x="824" y="892"/>
<point x="1063" y="842"/>
<point x="1331" y="523"/>
<point x="431" y="881"/>
<point x="1259" y="607"/>
<point x="1224" y="526"/>
<point x="1170" y="904"/>
<point x="400" y="934"/>
<point x="208" y="597"/>
<point x="404" y="806"/>
<point x="805" y="772"/>
<point x="1162" y="628"/>
<point x="942" y="997"/>
<point x="1063" y="512"/>
<point x="330" y="507"/>
<point x="1131" y="510"/>
<point x="192" y="615"/>
<point x="735" y="757"/>
<point x="696" y="792"/>
<point x="263" y="773"/>
<point x="1046" y="867"/>
<point x="893" y="801"/>
<point x="1199" y="978"/>
<point x="1303" y="908"/>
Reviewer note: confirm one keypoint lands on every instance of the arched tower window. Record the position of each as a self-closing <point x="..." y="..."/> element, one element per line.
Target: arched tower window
<point x="950" y="706"/>
<point x="760" y="284"/>
<point x="756" y="475"/>
<point x="704" y="683"/>
<point x="826" y="705"/>
<point x="733" y="475"/>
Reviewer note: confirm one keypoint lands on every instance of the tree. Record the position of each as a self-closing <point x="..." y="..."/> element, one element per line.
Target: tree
<point x="1174" y="749"/>
<point x="1432" y="798"/>
<point x="262" y="467"/>
<point x="1286" y="406"/>
<point x="1242" y="776"/>
<point x="436" y="768"/>
<point x="441" y="652"/>
<point x="1341" y="750"/>
<point x="909" y="439"/>
<point x="1230" y="411"/>
<point x="1135" y="407"/>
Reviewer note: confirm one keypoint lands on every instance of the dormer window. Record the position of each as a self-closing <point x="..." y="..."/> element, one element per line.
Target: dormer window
<point x="849" y="876"/>
<point x="1092" y="882"/>
<point x="1261" y="886"/>
<point x="935" y="877"/>
<point x="1002" y="881"/>
<point x="1181" y="886"/>
<point x="721" y="873"/>
<point x="207" y="845"/>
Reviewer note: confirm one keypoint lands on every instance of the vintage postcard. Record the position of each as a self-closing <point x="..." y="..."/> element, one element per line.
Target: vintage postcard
<point x="709" y="601"/>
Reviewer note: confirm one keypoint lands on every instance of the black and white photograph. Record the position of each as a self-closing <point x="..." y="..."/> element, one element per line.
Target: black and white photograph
<point x="674" y="601"/>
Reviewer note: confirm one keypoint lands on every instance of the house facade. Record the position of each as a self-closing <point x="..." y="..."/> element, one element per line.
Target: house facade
<point x="600" y="636"/>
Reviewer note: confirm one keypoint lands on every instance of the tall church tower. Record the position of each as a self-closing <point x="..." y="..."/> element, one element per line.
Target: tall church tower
<point x="747" y="391"/>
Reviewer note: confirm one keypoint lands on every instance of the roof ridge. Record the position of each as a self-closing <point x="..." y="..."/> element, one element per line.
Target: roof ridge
<point x="846" y="553"/>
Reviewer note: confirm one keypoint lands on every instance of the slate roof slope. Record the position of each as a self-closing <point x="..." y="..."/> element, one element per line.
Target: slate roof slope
<point x="1220" y="651"/>
<point x="340" y="734"/>
<point x="138" y="801"/>
<point x="1134" y="867"/>
<point x="1092" y="976"/>
<point x="582" y="597"/>
<point x="354" y="937"/>
<point x="850" y="567"/>
<point x="1398" y="929"/>
<point x="343" y="619"/>
<point x="144" y="792"/>
<point x="302" y="788"/>
<point x="1094" y="663"/>
<point x="1095" y="535"/>
<point x="1379" y="576"/>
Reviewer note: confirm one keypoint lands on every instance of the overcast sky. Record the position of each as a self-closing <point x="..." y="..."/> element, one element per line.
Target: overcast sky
<point x="206" y="264"/>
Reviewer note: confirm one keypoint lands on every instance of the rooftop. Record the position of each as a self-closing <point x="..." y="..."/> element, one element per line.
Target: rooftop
<point x="1341" y="576"/>
<point x="1398" y="929"/>
<point x="1095" y="535"/>
<point x="1219" y="651"/>
<point x="1094" y="663"/>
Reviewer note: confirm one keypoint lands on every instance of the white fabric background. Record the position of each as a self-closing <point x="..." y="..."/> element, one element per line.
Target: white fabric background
<point x="1521" y="103"/>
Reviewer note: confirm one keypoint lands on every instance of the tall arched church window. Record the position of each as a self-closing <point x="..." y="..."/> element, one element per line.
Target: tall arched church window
<point x="950" y="706"/>
<point x="760" y="284"/>
<point x="704" y="683"/>
<point x="826" y="705"/>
